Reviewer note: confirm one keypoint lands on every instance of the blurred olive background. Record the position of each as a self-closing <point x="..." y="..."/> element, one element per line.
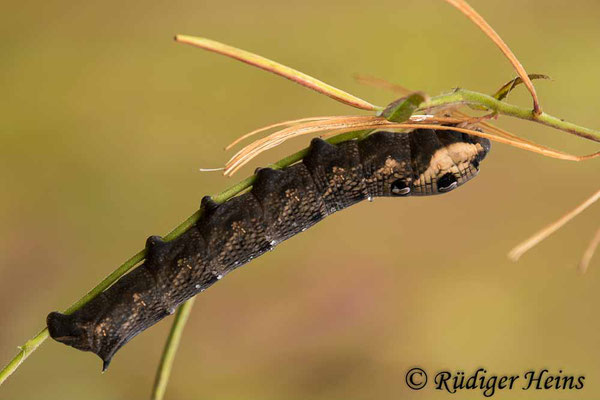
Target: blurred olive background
<point x="105" y="122"/>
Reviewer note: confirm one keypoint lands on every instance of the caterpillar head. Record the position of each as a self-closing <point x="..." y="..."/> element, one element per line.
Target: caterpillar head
<point x="442" y="160"/>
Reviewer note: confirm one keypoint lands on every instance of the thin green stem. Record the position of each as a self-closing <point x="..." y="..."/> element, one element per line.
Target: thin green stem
<point x="168" y="356"/>
<point x="31" y="345"/>
<point x="463" y="96"/>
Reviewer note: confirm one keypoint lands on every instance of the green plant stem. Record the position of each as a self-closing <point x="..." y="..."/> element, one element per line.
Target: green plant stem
<point x="464" y="96"/>
<point x="31" y="345"/>
<point x="168" y="356"/>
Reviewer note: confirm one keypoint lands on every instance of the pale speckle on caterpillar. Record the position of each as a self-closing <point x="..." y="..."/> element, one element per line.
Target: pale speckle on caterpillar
<point x="281" y="204"/>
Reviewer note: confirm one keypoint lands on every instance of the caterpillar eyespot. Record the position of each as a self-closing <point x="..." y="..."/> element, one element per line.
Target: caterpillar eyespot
<point x="447" y="183"/>
<point x="281" y="204"/>
<point x="400" y="188"/>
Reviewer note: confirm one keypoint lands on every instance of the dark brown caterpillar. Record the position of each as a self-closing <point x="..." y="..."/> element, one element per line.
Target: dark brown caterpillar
<point x="281" y="204"/>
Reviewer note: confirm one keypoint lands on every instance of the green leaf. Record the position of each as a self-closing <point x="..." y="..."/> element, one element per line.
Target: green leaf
<point x="509" y="86"/>
<point x="400" y="110"/>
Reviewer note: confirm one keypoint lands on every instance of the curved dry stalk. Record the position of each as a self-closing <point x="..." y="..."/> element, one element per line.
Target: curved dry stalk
<point x="522" y="248"/>
<point x="280" y="134"/>
<point x="276" y="125"/>
<point x="278" y="69"/>
<point x="474" y="16"/>
<point x="502" y="132"/>
<point x="211" y="169"/>
<point x="252" y="150"/>
<point x="589" y="253"/>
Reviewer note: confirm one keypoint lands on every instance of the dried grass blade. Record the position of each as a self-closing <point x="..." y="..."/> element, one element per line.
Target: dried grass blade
<point x="474" y="16"/>
<point x="589" y="253"/>
<point x="278" y="135"/>
<point x="501" y="132"/>
<point x="278" y="69"/>
<point x="261" y="145"/>
<point x="522" y="248"/>
<point x="273" y="126"/>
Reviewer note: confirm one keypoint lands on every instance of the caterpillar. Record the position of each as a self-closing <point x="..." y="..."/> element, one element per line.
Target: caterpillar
<point x="280" y="204"/>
